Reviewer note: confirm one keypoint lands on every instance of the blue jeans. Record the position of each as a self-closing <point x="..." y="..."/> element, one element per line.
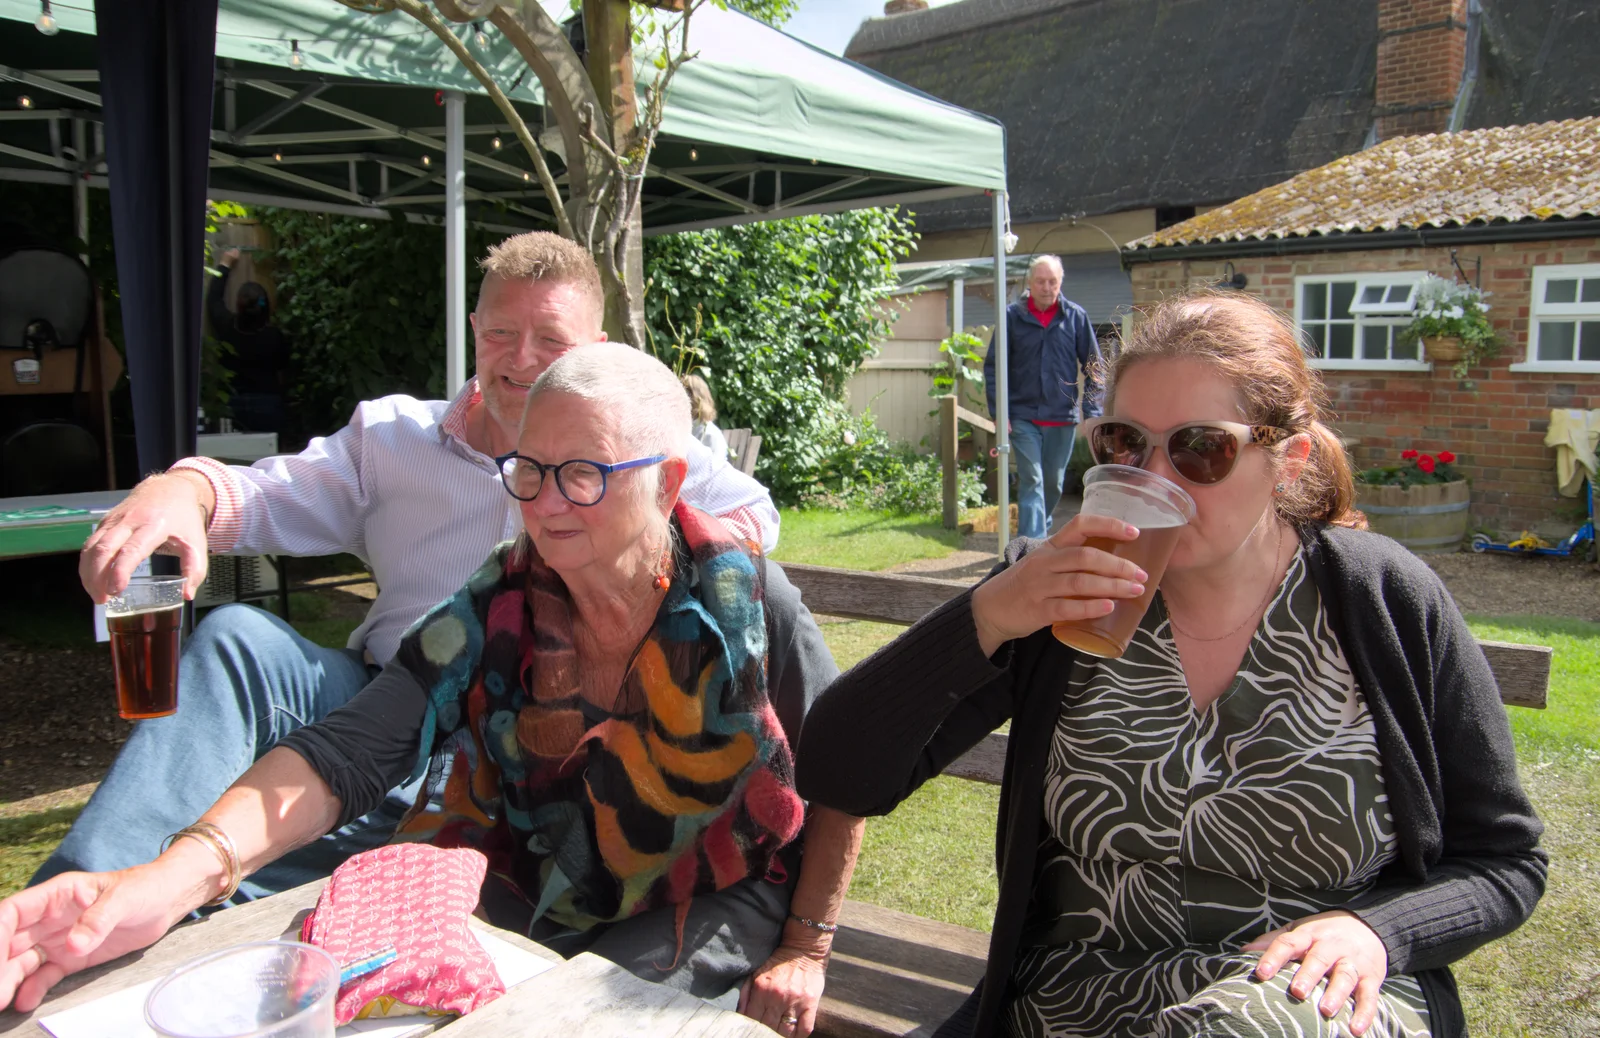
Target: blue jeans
<point x="245" y="680"/>
<point x="1042" y="453"/>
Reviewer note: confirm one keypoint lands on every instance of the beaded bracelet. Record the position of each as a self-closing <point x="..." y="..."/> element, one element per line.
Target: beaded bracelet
<point x="222" y="845"/>
<point x="824" y="927"/>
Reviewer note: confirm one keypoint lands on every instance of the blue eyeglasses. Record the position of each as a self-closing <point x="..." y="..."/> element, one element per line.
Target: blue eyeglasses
<point x="581" y="482"/>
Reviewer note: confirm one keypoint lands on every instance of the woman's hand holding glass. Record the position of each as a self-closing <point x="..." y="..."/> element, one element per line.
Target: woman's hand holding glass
<point x="1333" y="945"/>
<point x="1063" y="580"/>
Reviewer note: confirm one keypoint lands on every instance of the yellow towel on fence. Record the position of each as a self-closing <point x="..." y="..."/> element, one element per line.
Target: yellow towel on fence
<point x="1575" y="435"/>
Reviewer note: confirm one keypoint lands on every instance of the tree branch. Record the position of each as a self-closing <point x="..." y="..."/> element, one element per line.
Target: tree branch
<point x="424" y="14"/>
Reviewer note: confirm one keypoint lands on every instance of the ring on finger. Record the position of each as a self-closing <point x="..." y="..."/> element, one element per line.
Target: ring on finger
<point x="43" y="955"/>
<point x="790" y="1020"/>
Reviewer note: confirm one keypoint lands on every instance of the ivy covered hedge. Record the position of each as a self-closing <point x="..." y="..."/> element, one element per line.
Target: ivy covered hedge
<point x="362" y="302"/>
<point x="786" y="310"/>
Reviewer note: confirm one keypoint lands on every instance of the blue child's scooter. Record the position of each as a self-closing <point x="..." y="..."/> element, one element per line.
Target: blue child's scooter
<point x="1581" y="542"/>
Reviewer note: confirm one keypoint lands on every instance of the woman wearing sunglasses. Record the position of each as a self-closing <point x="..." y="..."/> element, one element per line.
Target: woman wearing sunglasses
<point x="1289" y="805"/>
<point x="621" y="685"/>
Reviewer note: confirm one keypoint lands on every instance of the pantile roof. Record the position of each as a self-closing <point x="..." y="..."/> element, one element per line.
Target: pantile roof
<point x="1505" y="174"/>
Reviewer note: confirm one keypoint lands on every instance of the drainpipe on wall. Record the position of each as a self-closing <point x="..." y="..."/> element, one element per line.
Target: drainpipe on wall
<point x="1469" y="71"/>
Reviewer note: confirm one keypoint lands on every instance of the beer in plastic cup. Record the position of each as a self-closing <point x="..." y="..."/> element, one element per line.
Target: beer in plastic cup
<point x="144" y="623"/>
<point x="1160" y="509"/>
<point x="270" y="989"/>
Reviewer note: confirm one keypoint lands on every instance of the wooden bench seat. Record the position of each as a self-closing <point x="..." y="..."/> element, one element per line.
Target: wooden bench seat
<point x="898" y="975"/>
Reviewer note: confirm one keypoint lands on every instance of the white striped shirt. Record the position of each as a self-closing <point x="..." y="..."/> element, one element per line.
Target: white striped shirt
<point x="399" y="488"/>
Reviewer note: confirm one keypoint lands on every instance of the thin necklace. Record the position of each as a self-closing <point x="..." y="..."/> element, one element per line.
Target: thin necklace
<point x="1254" y="614"/>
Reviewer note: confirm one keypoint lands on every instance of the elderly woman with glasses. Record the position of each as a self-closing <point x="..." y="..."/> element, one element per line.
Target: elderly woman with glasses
<point x="1292" y="801"/>
<point x="610" y="704"/>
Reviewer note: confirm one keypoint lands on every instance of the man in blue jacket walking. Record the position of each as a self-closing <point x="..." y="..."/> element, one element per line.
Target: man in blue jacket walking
<point x="1051" y="341"/>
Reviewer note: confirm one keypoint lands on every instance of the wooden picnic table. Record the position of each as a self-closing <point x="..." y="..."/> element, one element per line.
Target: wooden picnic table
<point x="584" y="995"/>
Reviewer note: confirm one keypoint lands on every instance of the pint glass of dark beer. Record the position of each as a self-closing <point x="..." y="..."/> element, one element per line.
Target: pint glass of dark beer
<point x="145" y="622"/>
<point x="1160" y="509"/>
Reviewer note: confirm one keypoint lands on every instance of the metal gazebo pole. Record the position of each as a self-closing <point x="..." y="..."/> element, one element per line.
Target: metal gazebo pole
<point x="1002" y="430"/>
<point x="455" y="243"/>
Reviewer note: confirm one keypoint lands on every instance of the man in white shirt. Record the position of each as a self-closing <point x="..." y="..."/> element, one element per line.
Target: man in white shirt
<point x="412" y="487"/>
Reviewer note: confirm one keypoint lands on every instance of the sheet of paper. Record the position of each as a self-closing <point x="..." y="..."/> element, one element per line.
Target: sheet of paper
<point x="121" y="1015"/>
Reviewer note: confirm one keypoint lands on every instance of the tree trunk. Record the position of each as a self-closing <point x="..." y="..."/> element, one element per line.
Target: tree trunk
<point x="609" y="35"/>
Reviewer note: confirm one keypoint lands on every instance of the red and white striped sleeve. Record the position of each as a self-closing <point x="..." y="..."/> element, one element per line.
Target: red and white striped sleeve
<point x="714" y="486"/>
<point x="226" y="519"/>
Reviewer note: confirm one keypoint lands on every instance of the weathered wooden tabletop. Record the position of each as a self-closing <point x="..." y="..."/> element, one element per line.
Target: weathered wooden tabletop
<point x="584" y="995"/>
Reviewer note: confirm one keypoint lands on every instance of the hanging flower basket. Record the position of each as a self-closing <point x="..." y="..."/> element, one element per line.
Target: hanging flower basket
<point x="1452" y="323"/>
<point x="1444" y="348"/>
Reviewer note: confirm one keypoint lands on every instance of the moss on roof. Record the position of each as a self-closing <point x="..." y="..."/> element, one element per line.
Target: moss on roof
<point x="1539" y="172"/>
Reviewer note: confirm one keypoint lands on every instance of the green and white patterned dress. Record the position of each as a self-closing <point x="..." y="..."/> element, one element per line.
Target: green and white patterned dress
<point x="1174" y="837"/>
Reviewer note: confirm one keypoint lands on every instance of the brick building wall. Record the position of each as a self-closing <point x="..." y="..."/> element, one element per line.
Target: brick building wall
<point x="1421" y="55"/>
<point x="1495" y="419"/>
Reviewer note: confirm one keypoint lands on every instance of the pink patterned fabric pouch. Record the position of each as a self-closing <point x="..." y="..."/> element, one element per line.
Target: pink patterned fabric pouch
<point x="416" y="897"/>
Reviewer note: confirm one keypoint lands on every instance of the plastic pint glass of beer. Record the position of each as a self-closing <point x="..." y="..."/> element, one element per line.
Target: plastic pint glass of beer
<point x="144" y="622"/>
<point x="1160" y="509"/>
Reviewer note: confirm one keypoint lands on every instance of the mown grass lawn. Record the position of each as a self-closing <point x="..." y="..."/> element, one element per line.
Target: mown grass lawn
<point x="860" y="539"/>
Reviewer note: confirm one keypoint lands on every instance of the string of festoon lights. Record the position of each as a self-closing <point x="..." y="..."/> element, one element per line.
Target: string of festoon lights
<point x="46" y="23"/>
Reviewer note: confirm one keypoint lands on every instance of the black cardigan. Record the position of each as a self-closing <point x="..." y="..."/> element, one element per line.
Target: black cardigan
<point x="1469" y="867"/>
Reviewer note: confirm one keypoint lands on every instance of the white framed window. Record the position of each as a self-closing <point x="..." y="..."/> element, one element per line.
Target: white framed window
<point x="1564" y="319"/>
<point x="1388" y="295"/>
<point x="1355" y="320"/>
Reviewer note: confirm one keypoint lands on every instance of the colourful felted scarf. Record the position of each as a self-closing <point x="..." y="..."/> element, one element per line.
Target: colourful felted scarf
<point x="683" y="785"/>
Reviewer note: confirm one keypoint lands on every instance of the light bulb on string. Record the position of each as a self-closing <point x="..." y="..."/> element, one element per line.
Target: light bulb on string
<point x="24" y="101"/>
<point x="694" y="155"/>
<point x="296" y="59"/>
<point x="526" y="176"/>
<point x="495" y="144"/>
<point x="46" y="22"/>
<point x="277" y="156"/>
<point x="480" y="37"/>
<point x="427" y="160"/>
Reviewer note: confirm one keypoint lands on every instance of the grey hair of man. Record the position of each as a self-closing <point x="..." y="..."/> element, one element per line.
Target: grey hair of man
<point x="637" y="396"/>
<point x="1047" y="260"/>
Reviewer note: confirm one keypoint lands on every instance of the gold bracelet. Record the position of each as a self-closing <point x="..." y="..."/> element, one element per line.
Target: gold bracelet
<point x="221" y="845"/>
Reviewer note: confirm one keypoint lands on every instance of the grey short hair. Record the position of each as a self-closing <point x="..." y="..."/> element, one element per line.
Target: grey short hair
<point x="1046" y="260"/>
<point x="640" y="396"/>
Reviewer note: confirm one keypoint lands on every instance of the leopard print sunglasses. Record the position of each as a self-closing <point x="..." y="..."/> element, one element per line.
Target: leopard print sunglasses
<point x="1203" y="453"/>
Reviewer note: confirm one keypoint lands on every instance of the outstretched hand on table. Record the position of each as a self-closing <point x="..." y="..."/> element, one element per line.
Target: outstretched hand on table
<point x="788" y="986"/>
<point x="81" y="919"/>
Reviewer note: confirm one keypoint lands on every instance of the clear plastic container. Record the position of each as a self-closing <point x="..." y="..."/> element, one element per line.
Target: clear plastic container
<point x="271" y="989"/>
<point x="1160" y="509"/>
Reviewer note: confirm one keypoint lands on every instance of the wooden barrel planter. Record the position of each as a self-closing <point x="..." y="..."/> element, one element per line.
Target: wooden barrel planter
<point x="1431" y="517"/>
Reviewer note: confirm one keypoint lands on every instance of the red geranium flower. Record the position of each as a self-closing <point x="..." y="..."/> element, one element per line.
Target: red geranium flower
<point x="1426" y="463"/>
<point x="1407" y="455"/>
<point x="1447" y="457"/>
